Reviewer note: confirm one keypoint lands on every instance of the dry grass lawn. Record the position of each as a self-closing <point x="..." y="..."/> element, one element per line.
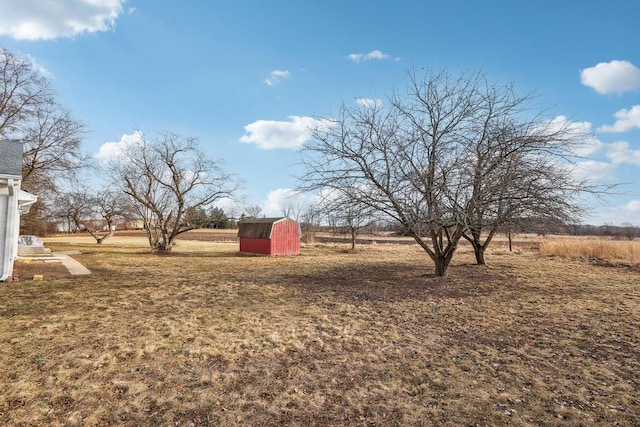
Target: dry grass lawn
<point x="206" y="336"/>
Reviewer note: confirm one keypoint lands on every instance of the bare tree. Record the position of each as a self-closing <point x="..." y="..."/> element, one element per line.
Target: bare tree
<point x="253" y="211"/>
<point x="291" y="208"/>
<point x="50" y="136"/>
<point x="401" y="160"/>
<point x="453" y="157"/>
<point x="109" y="205"/>
<point x="22" y="91"/>
<point x="74" y="207"/>
<point x="164" y="178"/>
<point x="51" y="148"/>
<point x="95" y="213"/>
<point x="29" y="113"/>
<point x="348" y="213"/>
<point x="517" y="169"/>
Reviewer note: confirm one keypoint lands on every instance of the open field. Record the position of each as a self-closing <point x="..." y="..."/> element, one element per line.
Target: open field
<point x="206" y="336"/>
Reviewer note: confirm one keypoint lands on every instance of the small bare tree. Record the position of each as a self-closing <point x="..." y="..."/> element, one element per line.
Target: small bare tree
<point x="109" y="205"/>
<point x="347" y="213"/>
<point x="74" y="207"/>
<point x="253" y="211"/>
<point x="95" y="213"/>
<point x="164" y="178"/>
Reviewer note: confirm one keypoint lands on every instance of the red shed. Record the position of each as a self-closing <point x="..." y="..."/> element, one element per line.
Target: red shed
<point x="269" y="236"/>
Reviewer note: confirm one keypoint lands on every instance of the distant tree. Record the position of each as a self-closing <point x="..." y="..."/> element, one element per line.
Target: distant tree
<point x="75" y="208"/>
<point x="629" y="231"/>
<point x="95" y="213"/>
<point x="348" y="213"/>
<point x="164" y="178"/>
<point x="310" y="222"/>
<point x="196" y="217"/>
<point x="109" y="205"/>
<point x="292" y="210"/>
<point x="218" y="219"/>
<point x="253" y="211"/>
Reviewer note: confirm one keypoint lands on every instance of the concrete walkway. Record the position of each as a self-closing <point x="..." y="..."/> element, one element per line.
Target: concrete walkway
<point x="74" y="267"/>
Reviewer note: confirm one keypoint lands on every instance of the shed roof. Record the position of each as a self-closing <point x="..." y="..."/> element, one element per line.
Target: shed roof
<point x="11" y="158"/>
<point x="257" y="228"/>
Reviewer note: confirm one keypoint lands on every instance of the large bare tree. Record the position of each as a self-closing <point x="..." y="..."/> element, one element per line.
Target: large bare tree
<point x="51" y="138"/>
<point x="455" y="156"/>
<point x="164" y="178"/>
<point x="29" y="114"/>
<point x="518" y="168"/>
<point x="401" y="159"/>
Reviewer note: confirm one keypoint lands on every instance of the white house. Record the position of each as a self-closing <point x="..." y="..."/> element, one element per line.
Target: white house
<point x="13" y="203"/>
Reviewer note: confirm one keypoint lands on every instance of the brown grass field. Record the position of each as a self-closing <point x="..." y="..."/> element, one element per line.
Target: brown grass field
<point x="206" y="336"/>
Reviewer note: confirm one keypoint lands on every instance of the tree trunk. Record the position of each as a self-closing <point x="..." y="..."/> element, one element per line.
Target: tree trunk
<point x="478" y="247"/>
<point x="353" y="239"/>
<point x="479" y="252"/>
<point x="442" y="264"/>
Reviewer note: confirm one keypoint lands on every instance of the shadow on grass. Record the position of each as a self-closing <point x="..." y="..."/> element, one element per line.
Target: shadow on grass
<point x="394" y="282"/>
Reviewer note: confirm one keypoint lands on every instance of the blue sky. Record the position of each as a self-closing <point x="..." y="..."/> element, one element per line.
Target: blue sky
<point x="248" y="77"/>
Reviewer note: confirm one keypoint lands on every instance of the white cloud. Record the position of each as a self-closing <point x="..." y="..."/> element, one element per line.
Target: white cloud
<point x="611" y="77"/>
<point x="279" y="198"/>
<point x="369" y="103"/>
<point x="588" y="147"/>
<point x="561" y="122"/>
<point x="626" y="120"/>
<point x="617" y="215"/>
<point x="593" y="170"/>
<point x="620" y="153"/>
<point x="272" y="134"/>
<point x="583" y="143"/>
<point x="633" y="206"/>
<point x="44" y="20"/>
<point x="39" y="68"/>
<point x="277" y="76"/>
<point x="373" y="55"/>
<point x="113" y="150"/>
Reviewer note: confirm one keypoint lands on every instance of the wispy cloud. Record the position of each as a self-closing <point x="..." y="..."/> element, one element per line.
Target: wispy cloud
<point x="611" y="77"/>
<point x="373" y="55"/>
<point x="626" y="120"/>
<point x="277" y="76"/>
<point x="369" y="102"/>
<point x="273" y="134"/>
<point x="39" y="68"/>
<point x="44" y="20"/>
